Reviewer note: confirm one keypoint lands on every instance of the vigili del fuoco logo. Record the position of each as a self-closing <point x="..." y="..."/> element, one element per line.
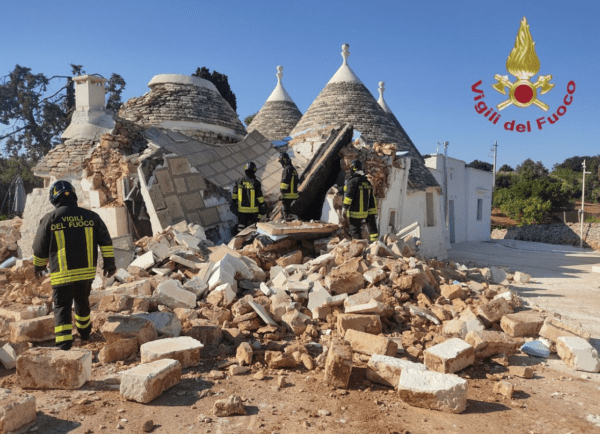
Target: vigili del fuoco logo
<point x="523" y="63"/>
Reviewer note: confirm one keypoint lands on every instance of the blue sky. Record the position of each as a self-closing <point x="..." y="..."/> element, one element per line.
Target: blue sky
<point x="429" y="53"/>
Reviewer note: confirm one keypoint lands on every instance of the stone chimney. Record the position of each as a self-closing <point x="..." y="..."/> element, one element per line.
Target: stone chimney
<point x="89" y="93"/>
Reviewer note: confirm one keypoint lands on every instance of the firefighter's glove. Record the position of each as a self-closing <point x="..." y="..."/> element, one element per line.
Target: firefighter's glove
<point x="39" y="271"/>
<point x="110" y="271"/>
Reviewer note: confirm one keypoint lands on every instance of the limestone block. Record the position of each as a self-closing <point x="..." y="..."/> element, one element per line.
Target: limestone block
<point x="52" y="368"/>
<point x="223" y="273"/>
<point x="317" y="297"/>
<point x="521" y="324"/>
<point x="138" y="288"/>
<point x="295" y="321"/>
<point x="498" y="275"/>
<point x="521" y="371"/>
<point x="386" y="370"/>
<point x="145" y="261"/>
<point x="294" y="257"/>
<point x="280" y="303"/>
<point x="487" y="343"/>
<point x="222" y="295"/>
<point x="258" y="274"/>
<point x="262" y="313"/>
<point x="513" y="300"/>
<point x="32" y="330"/>
<point x="115" y="219"/>
<point x="363" y="323"/>
<point x="118" y="327"/>
<point x="372" y="307"/>
<point x="452" y="291"/>
<point x="204" y="331"/>
<point x="433" y="390"/>
<point x="171" y="294"/>
<point x="455" y="328"/>
<point x="228" y="407"/>
<point x="165" y="323"/>
<point x="553" y="329"/>
<point x="244" y="354"/>
<point x="492" y="311"/>
<point x="119" y="350"/>
<point x="8" y="356"/>
<point x="338" y="365"/>
<point x="578" y="354"/>
<point x="16" y="410"/>
<point x="147" y="382"/>
<point x="184" y="349"/>
<point x="364" y="296"/>
<point x="122" y="275"/>
<point x="196" y="285"/>
<point x="450" y="356"/>
<point x="20" y="312"/>
<point x="472" y="321"/>
<point x="369" y="344"/>
<point x="297" y="286"/>
<point x="344" y="281"/>
<point x="242" y="272"/>
<point x="375" y="275"/>
<point x="337" y="300"/>
<point x="521" y="277"/>
<point x="114" y="303"/>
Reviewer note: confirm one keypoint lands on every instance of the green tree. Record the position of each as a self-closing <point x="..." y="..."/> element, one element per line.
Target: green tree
<point x="35" y="116"/>
<point x="481" y="165"/>
<point x="530" y="169"/>
<point x="248" y="119"/>
<point x="114" y="89"/>
<point x="221" y="82"/>
<point x="506" y="168"/>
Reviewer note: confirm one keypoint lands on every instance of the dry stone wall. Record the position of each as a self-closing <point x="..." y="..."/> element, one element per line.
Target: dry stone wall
<point x="558" y="233"/>
<point x="276" y="119"/>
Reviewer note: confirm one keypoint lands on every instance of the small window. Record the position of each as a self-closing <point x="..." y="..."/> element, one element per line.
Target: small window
<point x="392" y="221"/>
<point x="430" y="213"/>
<point x="479" y="209"/>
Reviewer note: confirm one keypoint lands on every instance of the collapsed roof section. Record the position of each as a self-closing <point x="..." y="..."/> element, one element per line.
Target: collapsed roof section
<point x="191" y="105"/>
<point x="345" y="99"/>
<point x="278" y="117"/>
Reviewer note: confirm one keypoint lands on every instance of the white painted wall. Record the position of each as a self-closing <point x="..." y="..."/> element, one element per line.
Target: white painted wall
<point x="479" y="186"/>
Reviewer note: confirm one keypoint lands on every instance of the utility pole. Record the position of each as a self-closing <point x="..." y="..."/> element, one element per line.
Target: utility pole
<point x="494" y="153"/>
<point x="582" y="210"/>
<point x="445" y="144"/>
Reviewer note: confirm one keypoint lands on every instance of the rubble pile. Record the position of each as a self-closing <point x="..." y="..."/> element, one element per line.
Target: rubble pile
<point x="10" y="233"/>
<point x="324" y="305"/>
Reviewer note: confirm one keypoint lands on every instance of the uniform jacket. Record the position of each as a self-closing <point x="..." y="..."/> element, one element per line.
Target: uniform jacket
<point x="289" y="182"/>
<point x="67" y="242"/>
<point x="359" y="197"/>
<point x="247" y="193"/>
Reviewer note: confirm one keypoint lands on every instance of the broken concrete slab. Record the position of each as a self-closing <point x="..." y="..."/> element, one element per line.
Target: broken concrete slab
<point x="147" y="382"/>
<point x="32" y="330"/>
<point x="119" y="350"/>
<point x="578" y="354"/>
<point x="487" y="343"/>
<point x="52" y="368"/>
<point x="118" y="327"/>
<point x="171" y="294"/>
<point x="338" y="365"/>
<point x="386" y="370"/>
<point x="369" y="344"/>
<point x="184" y="349"/>
<point x="450" y="356"/>
<point x="363" y="323"/>
<point x="553" y="329"/>
<point x="144" y="262"/>
<point x="17" y="410"/>
<point x="433" y="390"/>
<point x="522" y="324"/>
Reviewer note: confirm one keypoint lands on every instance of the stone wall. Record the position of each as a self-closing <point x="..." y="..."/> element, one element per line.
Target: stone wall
<point x="558" y="233"/>
<point x="276" y="119"/>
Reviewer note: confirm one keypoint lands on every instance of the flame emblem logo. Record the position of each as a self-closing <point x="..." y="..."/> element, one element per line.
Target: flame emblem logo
<point x="523" y="63"/>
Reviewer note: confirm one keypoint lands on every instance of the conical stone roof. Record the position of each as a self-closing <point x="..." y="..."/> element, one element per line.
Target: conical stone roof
<point x="279" y="115"/>
<point x="345" y="99"/>
<point x="184" y="103"/>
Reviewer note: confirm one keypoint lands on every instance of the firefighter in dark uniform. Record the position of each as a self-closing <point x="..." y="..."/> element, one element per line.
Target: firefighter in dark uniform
<point x="289" y="185"/>
<point x="360" y="203"/>
<point x="67" y="242"/>
<point x="247" y="200"/>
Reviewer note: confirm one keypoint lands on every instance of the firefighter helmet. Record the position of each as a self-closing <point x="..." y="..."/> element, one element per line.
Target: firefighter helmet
<point x="59" y="190"/>
<point x="250" y="167"/>
<point x="355" y="166"/>
<point x="284" y="158"/>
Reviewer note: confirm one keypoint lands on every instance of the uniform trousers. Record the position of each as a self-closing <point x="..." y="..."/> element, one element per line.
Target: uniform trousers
<point x="64" y="297"/>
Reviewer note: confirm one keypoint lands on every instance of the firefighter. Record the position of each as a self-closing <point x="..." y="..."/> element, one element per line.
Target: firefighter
<point x="67" y="242"/>
<point x="289" y="185"/>
<point x="247" y="198"/>
<point x="359" y="203"/>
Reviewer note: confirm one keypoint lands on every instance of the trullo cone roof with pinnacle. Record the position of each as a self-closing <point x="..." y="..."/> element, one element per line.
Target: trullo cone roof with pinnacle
<point x="279" y="115"/>
<point x="345" y="99"/>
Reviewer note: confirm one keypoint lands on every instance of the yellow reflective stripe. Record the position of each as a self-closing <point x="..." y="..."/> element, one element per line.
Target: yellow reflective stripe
<point x="107" y="248"/>
<point x="289" y="195"/>
<point x="357" y="214"/>
<point x="64" y="338"/>
<point x="252" y="197"/>
<point x="40" y="262"/>
<point x="73" y="275"/>
<point x="248" y="209"/>
<point x="239" y="196"/>
<point x="372" y="211"/>
<point x="62" y="252"/>
<point x="361" y="206"/>
<point x="82" y="318"/>
<point x="292" y="185"/>
<point x="107" y="252"/>
<point x="83" y="326"/>
<point x="261" y="200"/>
<point x="283" y="186"/>
<point x="347" y="201"/>
<point x="62" y="328"/>
<point x="89" y="244"/>
<point x="373" y="237"/>
<point x="345" y="187"/>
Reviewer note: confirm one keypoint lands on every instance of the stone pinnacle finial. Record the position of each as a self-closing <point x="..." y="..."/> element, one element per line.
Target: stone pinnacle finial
<point x="381" y="89"/>
<point x="279" y="73"/>
<point x="345" y="53"/>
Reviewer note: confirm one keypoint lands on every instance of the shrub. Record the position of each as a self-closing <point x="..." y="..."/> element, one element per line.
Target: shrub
<point x="526" y="211"/>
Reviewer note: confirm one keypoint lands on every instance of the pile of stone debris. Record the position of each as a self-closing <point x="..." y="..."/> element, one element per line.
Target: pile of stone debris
<point x="326" y="305"/>
<point x="10" y="233"/>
